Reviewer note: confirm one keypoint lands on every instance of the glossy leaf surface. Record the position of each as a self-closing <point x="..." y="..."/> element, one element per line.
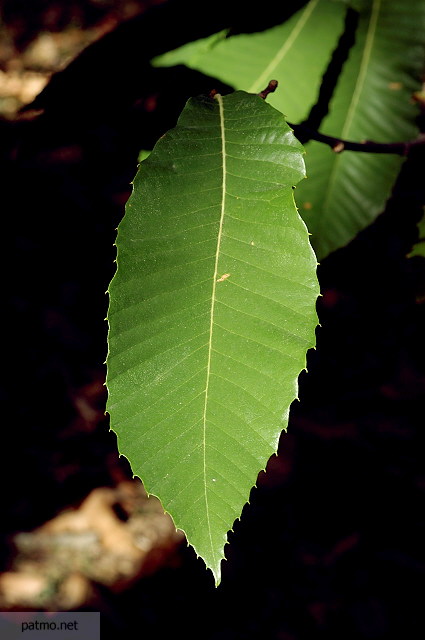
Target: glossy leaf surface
<point x="212" y="310"/>
<point x="345" y="192"/>
<point x="295" y="53"/>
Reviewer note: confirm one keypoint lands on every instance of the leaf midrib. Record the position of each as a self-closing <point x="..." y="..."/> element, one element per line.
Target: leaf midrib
<point x="257" y="85"/>
<point x="369" y="41"/>
<point x="364" y="65"/>
<point x="219" y="99"/>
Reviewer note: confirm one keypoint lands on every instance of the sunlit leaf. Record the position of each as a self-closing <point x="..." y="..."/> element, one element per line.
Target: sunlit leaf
<point x="212" y="310"/>
<point x="345" y="192"/>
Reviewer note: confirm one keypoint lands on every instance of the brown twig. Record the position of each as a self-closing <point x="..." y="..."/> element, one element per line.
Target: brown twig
<point x="271" y="87"/>
<point x="367" y="146"/>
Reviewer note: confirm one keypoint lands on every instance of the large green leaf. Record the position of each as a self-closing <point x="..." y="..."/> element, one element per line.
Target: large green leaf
<point x="212" y="310"/>
<point x="345" y="192"/>
<point x="295" y="53"/>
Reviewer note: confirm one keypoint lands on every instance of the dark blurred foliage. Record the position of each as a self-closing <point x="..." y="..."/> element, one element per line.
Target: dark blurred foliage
<point x="25" y="20"/>
<point x="331" y="545"/>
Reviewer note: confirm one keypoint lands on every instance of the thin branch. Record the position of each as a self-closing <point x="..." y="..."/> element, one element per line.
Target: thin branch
<point x="367" y="146"/>
<point x="271" y="88"/>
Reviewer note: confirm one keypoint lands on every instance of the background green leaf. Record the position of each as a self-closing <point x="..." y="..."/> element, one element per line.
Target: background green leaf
<point x="295" y="53"/>
<point x="358" y="5"/>
<point x="212" y="310"/>
<point x="345" y="192"/>
<point x="418" y="248"/>
<point x="143" y="154"/>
